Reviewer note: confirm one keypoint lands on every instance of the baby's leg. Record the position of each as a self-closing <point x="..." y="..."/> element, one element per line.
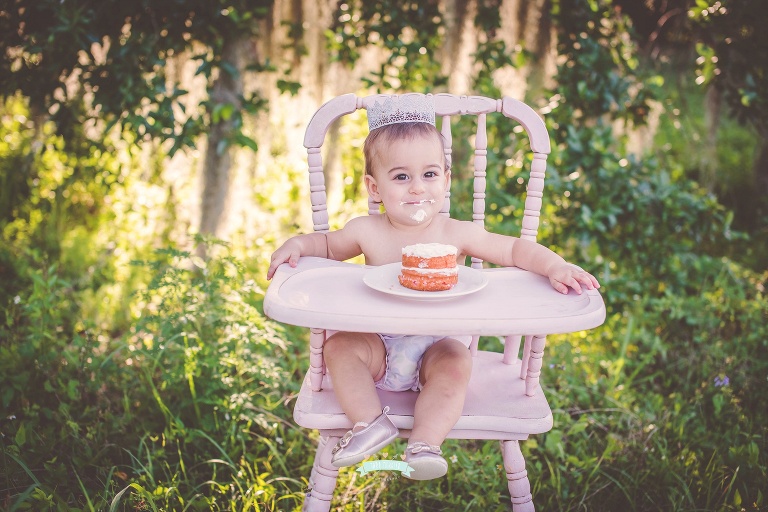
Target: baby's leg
<point x="444" y="375"/>
<point x="355" y="362"/>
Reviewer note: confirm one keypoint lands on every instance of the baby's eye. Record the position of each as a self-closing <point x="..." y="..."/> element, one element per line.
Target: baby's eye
<point x="431" y="174"/>
<point x="401" y="177"/>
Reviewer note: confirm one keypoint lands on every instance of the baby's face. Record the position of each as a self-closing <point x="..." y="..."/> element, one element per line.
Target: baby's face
<point x="409" y="177"/>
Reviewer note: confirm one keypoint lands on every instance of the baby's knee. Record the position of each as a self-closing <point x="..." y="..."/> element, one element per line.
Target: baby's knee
<point x="460" y="365"/>
<point x="454" y="366"/>
<point x="345" y="346"/>
<point x="340" y="345"/>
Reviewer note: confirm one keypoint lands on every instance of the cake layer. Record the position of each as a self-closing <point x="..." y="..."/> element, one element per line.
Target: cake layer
<point x="446" y="261"/>
<point x="428" y="283"/>
<point x="430" y="272"/>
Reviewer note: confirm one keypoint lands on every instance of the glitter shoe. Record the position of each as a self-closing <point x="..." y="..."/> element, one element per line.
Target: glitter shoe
<point x="364" y="440"/>
<point x="425" y="460"/>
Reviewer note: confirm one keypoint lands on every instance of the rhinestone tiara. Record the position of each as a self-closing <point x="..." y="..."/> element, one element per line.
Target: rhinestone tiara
<point x="407" y="108"/>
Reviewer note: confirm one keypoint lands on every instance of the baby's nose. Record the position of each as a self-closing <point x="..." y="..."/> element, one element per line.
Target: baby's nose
<point x="417" y="186"/>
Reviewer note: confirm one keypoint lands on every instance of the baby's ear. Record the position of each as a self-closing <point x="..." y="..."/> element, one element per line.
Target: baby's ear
<point x="372" y="187"/>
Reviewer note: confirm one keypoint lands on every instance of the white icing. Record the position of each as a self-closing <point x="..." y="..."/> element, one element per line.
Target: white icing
<point x="418" y="203"/>
<point x="429" y="250"/>
<point x="434" y="271"/>
<point x="419" y="216"/>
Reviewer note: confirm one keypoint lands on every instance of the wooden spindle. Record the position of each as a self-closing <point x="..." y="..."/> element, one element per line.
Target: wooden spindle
<point x="479" y="183"/>
<point x="511" y="349"/>
<point x="534" y="365"/>
<point x="534" y="194"/>
<point x="445" y="129"/>
<point x="316" y="364"/>
<point x="517" y="477"/>
<point x="323" y="479"/>
<point x="317" y="190"/>
<point x="526" y="357"/>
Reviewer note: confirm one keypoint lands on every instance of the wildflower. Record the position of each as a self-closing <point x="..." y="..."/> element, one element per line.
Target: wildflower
<point x="17" y="300"/>
<point x="279" y="440"/>
<point x="721" y="382"/>
<point x="454" y="459"/>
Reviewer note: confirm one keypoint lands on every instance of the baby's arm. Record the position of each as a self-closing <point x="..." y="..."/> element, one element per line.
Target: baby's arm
<point x="339" y="245"/>
<point x="562" y="275"/>
<point x="510" y="251"/>
<point x="310" y="244"/>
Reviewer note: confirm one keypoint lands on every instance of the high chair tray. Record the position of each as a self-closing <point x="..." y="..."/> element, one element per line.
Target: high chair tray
<point x="326" y="294"/>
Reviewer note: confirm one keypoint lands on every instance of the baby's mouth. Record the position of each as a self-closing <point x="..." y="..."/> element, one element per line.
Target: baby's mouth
<point x="417" y="203"/>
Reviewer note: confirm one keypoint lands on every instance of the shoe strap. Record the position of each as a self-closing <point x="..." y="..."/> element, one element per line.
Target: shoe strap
<point x="344" y="441"/>
<point x="421" y="446"/>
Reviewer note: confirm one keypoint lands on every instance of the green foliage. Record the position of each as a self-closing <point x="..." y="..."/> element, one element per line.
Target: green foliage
<point x="731" y="38"/>
<point x="118" y="53"/>
<point x="178" y="412"/>
<point x="727" y="169"/>
<point x="661" y="404"/>
<point x="410" y="32"/>
<point x="50" y="195"/>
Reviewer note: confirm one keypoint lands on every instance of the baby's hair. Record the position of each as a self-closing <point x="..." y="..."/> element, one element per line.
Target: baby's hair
<point x="397" y="131"/>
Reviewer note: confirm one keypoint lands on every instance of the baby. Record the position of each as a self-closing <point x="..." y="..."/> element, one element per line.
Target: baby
<point x="407" y="172"/>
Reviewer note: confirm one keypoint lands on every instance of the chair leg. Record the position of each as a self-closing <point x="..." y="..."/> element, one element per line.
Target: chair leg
<point x="322" y="481"/>
<point x="517" y="476"/>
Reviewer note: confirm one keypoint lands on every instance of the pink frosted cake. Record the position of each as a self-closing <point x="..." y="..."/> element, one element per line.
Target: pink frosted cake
<point x="429" y="267"/>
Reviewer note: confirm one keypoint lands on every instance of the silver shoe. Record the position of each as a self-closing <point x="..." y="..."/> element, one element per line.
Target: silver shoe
<point x="425" y="461"/>
<point x="356" y="446"/>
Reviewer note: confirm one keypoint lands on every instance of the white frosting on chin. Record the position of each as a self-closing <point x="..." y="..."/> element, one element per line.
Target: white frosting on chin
<point x="419" y="216"/>
<point x="429" y="250"/>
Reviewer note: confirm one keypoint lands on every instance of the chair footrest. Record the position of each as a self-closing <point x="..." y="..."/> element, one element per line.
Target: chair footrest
<point x="496" y="406"/>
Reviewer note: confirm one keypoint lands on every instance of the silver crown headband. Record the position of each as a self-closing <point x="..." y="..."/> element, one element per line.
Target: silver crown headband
<point x="408" y="108"/>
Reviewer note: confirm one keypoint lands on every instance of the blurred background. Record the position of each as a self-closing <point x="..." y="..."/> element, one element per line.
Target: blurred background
<point x="151" y="159"/>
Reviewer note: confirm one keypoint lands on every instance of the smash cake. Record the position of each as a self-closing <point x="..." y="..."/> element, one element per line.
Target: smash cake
<point x="429" y="267"/>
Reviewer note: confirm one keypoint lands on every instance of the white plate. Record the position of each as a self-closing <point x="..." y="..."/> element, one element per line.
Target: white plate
<point x="384" y="279"/>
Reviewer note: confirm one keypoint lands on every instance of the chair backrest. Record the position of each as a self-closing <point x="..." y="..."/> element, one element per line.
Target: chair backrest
<point x="446" y="106"/>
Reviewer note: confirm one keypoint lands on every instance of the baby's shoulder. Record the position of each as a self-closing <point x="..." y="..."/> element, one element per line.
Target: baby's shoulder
<point x="459" y="226"/>
<point x="364" y="226"/>
<point x="364" y="222"/>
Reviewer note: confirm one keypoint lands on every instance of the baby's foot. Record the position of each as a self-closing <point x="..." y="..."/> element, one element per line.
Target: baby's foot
<point x="425" y="460"/>
<point x="363" y="440"/>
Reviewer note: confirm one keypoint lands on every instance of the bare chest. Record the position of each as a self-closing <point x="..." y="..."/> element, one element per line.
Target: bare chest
<point x="384" y="245"/>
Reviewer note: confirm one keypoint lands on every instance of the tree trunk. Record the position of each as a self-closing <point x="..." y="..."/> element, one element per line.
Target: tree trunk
<point x="227" y="89"/>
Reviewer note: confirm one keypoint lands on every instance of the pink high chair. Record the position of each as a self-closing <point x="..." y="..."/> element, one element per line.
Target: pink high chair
<point x="504" y="401"/>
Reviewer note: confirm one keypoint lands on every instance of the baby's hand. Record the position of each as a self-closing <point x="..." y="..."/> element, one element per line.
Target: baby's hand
<point x="564" y="275"/>
<point x="289" y="251"/>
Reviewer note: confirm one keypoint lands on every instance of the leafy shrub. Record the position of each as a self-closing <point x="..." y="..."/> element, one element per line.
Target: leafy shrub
<point x="183" y="411"/>
<point x="658" y="409"/>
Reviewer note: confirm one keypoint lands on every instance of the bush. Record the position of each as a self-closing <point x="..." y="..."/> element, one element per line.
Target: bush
<point x="185" y="410"/>
<point x="658" y="409"/>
